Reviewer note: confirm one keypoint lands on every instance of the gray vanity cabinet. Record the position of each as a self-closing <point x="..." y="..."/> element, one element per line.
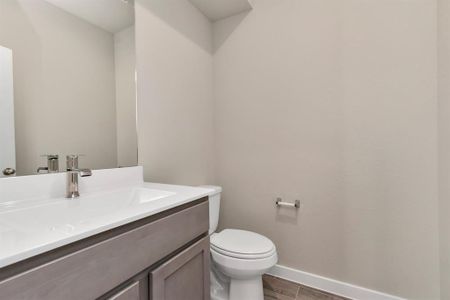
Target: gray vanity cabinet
<point x="185" y="276"/>
<point x="131" y="292"/>
<point x="162" y="257"/>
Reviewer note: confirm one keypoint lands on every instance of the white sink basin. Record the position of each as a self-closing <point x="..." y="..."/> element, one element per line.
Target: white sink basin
<point x="144" y="195"/>
<point x="67" y="215"/>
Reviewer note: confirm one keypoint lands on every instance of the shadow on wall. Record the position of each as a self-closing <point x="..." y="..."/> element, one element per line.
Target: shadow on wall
<point x="287" y="215"/>
<point x="186" y="19"/>
<point x="183" y="17"/>
<point x="223" y="29"/>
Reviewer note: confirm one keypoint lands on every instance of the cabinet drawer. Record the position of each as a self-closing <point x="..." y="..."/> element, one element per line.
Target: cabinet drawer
<point x="92" y="271"/>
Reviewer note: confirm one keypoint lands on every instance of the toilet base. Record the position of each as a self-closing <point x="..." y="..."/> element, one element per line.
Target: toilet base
<point x="224" y="288"/>
<point x="220" y="285"/>
<point x="247" y="289"/>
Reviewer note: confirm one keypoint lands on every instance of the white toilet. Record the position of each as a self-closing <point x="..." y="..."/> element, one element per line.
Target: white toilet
<point x="239" y="258"/>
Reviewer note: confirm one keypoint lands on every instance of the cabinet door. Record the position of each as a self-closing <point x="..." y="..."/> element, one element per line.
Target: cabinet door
<point x="132" y="292"/>
<point x="185" y="276"/>
<point x="136" y="290"/>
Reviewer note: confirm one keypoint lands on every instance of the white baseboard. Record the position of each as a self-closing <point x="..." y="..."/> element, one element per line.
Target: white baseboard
<point x="329" y="285"/>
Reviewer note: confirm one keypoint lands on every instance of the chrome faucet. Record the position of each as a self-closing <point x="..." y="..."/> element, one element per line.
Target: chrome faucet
<point x="52" y="164"/>
<point x="72" y="176"/>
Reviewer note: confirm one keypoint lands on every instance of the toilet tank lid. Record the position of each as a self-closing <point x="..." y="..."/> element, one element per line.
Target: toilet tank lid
<point x="214" y="189"/>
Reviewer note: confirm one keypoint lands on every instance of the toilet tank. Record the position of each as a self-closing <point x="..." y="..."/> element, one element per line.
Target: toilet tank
<point x="214" y="206"/>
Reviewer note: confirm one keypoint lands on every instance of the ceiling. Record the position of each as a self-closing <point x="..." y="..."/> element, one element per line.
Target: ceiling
<point x="110" y="15"/>
<point x="220" y="9"/>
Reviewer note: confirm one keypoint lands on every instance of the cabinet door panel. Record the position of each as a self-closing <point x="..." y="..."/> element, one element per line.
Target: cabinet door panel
<point x="185" y="276"/>
<point x="129" y="293"/>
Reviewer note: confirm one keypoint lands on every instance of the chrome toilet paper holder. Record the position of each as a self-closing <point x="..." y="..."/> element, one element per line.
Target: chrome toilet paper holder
<point x="280" y="203"/>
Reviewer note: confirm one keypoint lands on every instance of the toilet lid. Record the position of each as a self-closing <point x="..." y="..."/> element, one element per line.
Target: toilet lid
<point x="241" y="243"/>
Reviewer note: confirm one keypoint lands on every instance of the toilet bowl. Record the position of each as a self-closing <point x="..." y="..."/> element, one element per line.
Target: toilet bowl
<point x="239" y="258"/>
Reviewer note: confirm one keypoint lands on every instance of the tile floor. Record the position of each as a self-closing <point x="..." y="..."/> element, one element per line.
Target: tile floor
<point x="279" y="289"/>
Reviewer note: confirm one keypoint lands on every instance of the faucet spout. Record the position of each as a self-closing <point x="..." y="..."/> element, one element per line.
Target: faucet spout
<point x="81" y="172"/>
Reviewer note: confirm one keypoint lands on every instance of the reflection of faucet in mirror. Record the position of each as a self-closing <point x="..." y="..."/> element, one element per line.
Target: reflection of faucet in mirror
<point x="52" y="164"/>
<point x="35" y="71"/>
<point x="72" y="176"/>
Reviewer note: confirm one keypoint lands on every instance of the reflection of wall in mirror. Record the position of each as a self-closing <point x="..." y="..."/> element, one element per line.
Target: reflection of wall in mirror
<point x="64" y="84"/>
<point x="7" y="139"/>
<point x="125" y="64"/>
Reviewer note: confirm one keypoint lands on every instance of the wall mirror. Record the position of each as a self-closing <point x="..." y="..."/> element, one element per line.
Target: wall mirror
<point x="67" y="84"/>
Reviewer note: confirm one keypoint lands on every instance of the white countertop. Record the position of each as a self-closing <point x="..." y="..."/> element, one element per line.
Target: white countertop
<point x="32" y="227"/>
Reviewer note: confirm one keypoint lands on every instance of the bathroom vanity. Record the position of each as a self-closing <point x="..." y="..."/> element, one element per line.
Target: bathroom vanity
<point x="122" y="239"/>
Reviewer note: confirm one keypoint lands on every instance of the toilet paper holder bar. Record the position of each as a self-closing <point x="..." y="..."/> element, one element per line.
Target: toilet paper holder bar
<point x="279" y="202"/>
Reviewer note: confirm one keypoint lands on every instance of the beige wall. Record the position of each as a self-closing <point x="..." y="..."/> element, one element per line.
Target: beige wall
<point x="334" y="103"/>
<point x="63" y="85"/>
<point x="174" y="68"/>
<point x="125" y="71"/>
<point x="444" y="139"/>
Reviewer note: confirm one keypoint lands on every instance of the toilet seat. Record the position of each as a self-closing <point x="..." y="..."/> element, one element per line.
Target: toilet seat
<point x="242" y="255"/>
<point x="242" y="244"/>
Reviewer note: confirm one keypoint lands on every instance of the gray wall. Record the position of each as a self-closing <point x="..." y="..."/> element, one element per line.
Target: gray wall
<point x="334" y="103"/>
<point x="174" y="68"/>
<point x="444" y="142"/>
<point x="56" y="110"/>
<point x="331" y="102"/>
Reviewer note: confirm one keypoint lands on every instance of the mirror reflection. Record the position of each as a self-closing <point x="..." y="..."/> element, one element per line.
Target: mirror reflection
<point x="67" y="85"/>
